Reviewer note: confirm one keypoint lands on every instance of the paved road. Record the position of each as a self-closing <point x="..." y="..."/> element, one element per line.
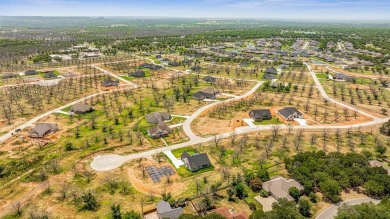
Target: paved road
<point x="116" y="76"/>
<point x="331" y="212"/>
<point x="109" y="162"/>
<point x="325" y="95"/>
<point x="187" y="124"/>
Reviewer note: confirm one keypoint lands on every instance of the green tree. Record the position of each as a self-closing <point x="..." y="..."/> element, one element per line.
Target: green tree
<point x="294" y="192"/>
<point x="331" y="190"/>
<point x="131" y="215"/>
<point x="255" y="184"/>
<point x="89" y="202"/>
<point x="304" y="207"/>
<point x="116" y="211"/>
<point x="240" y="191"/>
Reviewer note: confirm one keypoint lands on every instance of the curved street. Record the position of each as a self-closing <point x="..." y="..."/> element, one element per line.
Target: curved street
<point x="331" y="211"/>
<point x="110" y="161"/>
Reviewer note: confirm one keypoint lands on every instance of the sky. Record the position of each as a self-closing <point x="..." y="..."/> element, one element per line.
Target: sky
<point x="265" y="9"/>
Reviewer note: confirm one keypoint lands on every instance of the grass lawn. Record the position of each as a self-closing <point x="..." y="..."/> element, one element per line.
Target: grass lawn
<point x="177" y="152"/>
<point x="184" y="172"/>
<point x="322" y="75"/>
<point x="129" y="78"/>
<point x="273" y="121"/>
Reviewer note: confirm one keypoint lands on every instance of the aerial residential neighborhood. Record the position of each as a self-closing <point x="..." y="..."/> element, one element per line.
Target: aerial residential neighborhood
<point x="145" y="109"/>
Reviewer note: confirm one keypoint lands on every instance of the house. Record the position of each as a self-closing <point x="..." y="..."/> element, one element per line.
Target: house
<point x="210" y="79"/>
<point x="50" y="74"/>
<point x="260" y="115"/>
<point x="207" y="93"/>
<point x="343" y="77"/>
<point x="69" y="74"/>
<point x="42" y="129"/>
<point x="80" y="108"/>
<point x="375" y="163"/>
<point x="278" y="187"/>
<point x="269" y="76"/>
<point x="196" y="68"/>
<point x="164" y="210"/>
<point x="353" y="66"/>
<point x="8" y="75"/>
<point x="230" y="214"/>
<point x="282" y="66"/>
<point x="174" y="63"/>
<point x="195" y="162"/>
<point x="30" y="79"/>
<point x="159" y="131"/>
<point x="110" y="83"/>
<point x="290" y="113"/>
<point x="31" y="72"/>
<point x="271" y="70"/>
<point x="150" y="66"/>
<point x="157" y="117"/>
<point x="137" y="74"/>
<point x="158" y="56"/>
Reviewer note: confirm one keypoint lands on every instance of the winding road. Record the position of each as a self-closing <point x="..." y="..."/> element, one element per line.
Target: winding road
<point x="111" y="161"/>
<point x="39" y="117"/>
<point x="331" y="211"/>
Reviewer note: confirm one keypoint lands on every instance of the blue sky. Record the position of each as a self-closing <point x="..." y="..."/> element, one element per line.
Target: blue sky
<point x="275" y="9"/>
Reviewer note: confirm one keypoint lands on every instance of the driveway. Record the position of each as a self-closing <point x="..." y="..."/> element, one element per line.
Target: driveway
<point x="176" y="162"/>
<point x="331" y="212"/>
<point x="301" y="122"/>
<point x="249" y="121"/>
<point x="266" y="202"/>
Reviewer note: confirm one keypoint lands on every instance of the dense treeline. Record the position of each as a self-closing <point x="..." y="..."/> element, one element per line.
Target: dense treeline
<point x="334" y="172"/>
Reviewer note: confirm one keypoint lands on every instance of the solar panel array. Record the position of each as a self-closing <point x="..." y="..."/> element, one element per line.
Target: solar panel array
<point x="157" y="173"/>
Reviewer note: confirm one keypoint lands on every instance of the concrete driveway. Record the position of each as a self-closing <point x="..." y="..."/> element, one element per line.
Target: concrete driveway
<point x="176" y="162"/>
<point x="266" y="202"/>
<point x="301" y="122"/>
<point x="249" y="121"/>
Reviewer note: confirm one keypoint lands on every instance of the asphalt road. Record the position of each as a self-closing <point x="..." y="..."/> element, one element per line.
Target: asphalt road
<point x="331" y="212"/>
<point x="109" y="162"/>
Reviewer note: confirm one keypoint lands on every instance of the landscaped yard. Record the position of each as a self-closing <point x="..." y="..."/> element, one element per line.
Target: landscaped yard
<point x="184" y="172"/>
<point x="273" y="121"/>
<point x="322" y="75"/>
<point x="177" y="152"/>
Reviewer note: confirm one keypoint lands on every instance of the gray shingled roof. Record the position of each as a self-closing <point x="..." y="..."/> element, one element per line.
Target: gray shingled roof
<point x="196" y="160"/>
<point x="165" y="210"/>
<point x="279" y="187"/>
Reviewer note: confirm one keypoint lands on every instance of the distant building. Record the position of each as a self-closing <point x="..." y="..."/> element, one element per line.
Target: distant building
<point x="137" y="74"/>
<point x="50" y="74"/>
<point x="269" y="76"/>
<point x="343" y="77"/>
<point x="110" y="83"/>
<point x="271" y="70"/>
<point x="196" y="68"/>
<point x="278" y="187"/>
<point x="8" y="75"/>
<point x="42" y="129"/>
<point x="210" y="79"/>
<point x="165" y="211"/>
<point x="195" y="162"/>
<point x="290" y="113"/>
<point x="150" y="66"/>
<point x="31" y="72"/>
